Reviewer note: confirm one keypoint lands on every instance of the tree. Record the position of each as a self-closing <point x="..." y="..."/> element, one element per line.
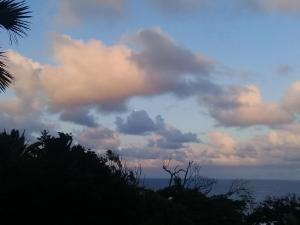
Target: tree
<point x="53" y="181"/>
<point x="277" y="211"/>
<point x="13" y="18"/>
<point x="189" y="177"/>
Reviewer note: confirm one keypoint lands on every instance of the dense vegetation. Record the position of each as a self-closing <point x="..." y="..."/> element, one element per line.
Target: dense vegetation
<point x="53" y="181"/>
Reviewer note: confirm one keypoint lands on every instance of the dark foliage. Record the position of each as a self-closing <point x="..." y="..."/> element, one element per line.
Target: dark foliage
<point x="277" y="211"/>
<point x="53" y="181"/>
<point x="13" y="18"/>
<point x="5" y="77"/>
<point x="201" y="209"/>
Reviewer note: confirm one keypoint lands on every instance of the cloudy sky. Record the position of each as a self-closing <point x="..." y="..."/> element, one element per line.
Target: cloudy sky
<point x="214" y="81"/>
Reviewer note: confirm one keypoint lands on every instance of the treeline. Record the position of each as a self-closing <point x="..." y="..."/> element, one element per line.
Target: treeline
<point x="53" y="181"/>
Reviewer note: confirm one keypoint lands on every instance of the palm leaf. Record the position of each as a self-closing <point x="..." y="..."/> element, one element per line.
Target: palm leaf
<point x="5" y="77"/>
<point x="13" y="18"/>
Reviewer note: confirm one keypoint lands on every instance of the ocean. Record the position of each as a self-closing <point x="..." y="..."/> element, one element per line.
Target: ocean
<point x="260" y="188"/>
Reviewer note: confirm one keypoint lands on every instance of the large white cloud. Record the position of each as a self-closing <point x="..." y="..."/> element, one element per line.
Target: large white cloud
<point x="92" y="74"/>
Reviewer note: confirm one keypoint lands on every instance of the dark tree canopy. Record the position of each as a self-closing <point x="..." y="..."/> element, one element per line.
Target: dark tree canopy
<point x="53" y="181"/>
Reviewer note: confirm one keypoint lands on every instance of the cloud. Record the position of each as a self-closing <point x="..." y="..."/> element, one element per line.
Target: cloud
<point x="24" y="106"/>
<point x="150" y="156"/>
<point x="164" y="136"/>
<point x="172" y="138"/>
<point x="291" y="98"/>
<point x="81" y="116"/>
<point x="287" y="6"/>
<point x="142" y="153"/>
<point x="220" y="148"/>
<point x="76" y="11"/>
<point x="232" y="6"/>
<point x="89" y="75"/>
<point x="99" y="138"/>
<point x="223" y="142"/>
<point x="170" y="66"/>
<point x="278" y="146"/>
<point x="179" y="6"/>
<point x="244" y="106"/>
<point x="106" y="77"/>
<point x="138" y="122"/>
<point x="285" y="69"/>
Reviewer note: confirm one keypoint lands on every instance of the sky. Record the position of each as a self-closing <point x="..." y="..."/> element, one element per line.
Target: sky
<point x="212" y="81"/>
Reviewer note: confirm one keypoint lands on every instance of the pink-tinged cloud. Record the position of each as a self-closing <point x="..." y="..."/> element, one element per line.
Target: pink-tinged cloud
<point x="223" y="142"/>
<point x="24" y="106"/>
<point x="276" y="147"/>
<point x="90" y="73"/>
<point x="291" y="98"/>
<point x="99" y="138"/>
<point x="244" y="106"/>
<point x="93" y="74"/>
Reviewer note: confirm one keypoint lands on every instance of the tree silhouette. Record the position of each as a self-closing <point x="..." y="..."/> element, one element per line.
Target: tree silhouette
<point x="13" y="18"/>
<point x="54" y="181"/>
<point x="277" y="211"/>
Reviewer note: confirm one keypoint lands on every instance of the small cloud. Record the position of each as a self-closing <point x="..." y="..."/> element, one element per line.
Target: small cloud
<point x="180" y="6"/>
<point x="72" y="12"/>
<point x="81" y="116"/>
<point x="137" y="123"/>
<point x="284" y="70"/>
<point x="99" y="138"/>
<point x="164" y="136"/>
<point x="285" y="6"/>
<point x="172" y="138"/>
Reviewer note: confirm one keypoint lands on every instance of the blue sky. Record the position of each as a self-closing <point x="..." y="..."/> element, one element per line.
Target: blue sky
<point x="211" y="81"/>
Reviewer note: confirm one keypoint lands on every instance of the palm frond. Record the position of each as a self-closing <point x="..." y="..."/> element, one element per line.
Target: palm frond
<point x="13" y="18"/>
<point x="5" y="77"/>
